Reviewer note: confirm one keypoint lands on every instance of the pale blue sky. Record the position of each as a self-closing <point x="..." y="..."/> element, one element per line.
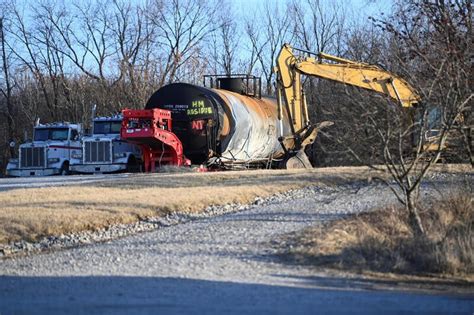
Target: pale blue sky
<point x="357" y="9"/>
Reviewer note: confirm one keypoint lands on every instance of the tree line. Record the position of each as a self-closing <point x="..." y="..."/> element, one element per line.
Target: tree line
<point x="59" y="58"/>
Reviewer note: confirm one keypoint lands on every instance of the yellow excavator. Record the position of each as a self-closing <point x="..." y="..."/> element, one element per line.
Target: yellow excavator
<point x="291" y="97"/>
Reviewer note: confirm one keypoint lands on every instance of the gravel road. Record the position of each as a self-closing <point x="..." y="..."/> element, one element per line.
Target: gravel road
<point x="218" y="264"/>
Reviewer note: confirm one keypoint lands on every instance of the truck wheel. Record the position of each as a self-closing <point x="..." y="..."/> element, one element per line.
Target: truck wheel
<point x="64" y="169"/>
<point x="132" y="165"/>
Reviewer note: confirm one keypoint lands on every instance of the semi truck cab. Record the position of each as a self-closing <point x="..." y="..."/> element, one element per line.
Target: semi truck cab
<point x="55" y="147"/>
<point x="105" y="152"/>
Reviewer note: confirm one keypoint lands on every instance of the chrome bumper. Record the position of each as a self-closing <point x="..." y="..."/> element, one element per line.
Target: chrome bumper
<point x="97" y="168"/>
<point x="33" y="172"/>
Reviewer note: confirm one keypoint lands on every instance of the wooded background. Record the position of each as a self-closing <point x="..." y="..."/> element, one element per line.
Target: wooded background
<point x="59" y="58"/>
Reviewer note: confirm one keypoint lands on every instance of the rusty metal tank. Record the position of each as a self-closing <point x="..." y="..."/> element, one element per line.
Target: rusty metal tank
<point x="221" y="125"/>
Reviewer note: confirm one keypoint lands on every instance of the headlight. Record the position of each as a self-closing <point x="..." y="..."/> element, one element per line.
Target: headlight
<point x="53" y="160"/>
<point x="13" y="161"/>
<point x="120" y="155"/>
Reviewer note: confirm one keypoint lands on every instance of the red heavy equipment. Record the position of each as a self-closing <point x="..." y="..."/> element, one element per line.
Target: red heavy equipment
<point x="151" y="129"/>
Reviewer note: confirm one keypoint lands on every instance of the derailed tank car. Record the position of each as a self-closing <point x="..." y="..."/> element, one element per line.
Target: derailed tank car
<point x="227" y="123"/>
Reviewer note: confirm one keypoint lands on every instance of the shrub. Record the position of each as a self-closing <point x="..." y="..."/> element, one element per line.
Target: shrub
<point x="382" y="240"/>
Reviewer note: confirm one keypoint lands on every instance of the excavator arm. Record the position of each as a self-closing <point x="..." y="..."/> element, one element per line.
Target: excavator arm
<point x="291" y="97"/>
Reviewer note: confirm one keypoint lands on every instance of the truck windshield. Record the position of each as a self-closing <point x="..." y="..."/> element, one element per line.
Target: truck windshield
<point x="44" y="134"/>
<point x="107" y="127"/>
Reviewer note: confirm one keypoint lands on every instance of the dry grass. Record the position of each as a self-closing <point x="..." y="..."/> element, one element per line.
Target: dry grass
<point x="37" y="212"/>
<point x="30" y="214"/>
<point x="381" y="241"/>
<point x="33" y="213"/>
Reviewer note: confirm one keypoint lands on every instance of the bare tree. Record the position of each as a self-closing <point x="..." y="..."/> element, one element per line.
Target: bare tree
<point x="181" y="27"/>
<point x="435" y="48"/>
<point x="30" y="53"/>
<point x="86" y="39"/>
<point x="6" y="88"/>
<point x="276" y="31"/>
<point x="229" y="45"/>
<point x="318" y="26"/>
<point x="133" y="35"/>
<point x="430" y="47"/>
<point x="254" y="49"/>
<point x="223" y="43"/>
<point x="52" y="63"/>
<point x="363" y="43"/>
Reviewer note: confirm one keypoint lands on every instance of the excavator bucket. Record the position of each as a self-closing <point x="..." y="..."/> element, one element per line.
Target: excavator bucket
<point x="297" y="161"/>
<point x="300" y="159"/>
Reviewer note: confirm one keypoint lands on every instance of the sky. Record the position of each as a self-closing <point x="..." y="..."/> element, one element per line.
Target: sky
<point x="361" y="9"/>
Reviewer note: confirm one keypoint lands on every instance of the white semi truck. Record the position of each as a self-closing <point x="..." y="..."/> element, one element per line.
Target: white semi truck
<point x="55" y="147"/>
<point x="105" y="152"/>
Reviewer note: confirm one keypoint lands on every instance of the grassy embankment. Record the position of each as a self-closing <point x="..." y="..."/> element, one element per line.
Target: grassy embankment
<point x="30" y="214"/>
<point x="381" y="241"/>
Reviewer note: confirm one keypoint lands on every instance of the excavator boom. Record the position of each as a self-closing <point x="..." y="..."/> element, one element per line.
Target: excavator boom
<point x="370" y="77"/>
